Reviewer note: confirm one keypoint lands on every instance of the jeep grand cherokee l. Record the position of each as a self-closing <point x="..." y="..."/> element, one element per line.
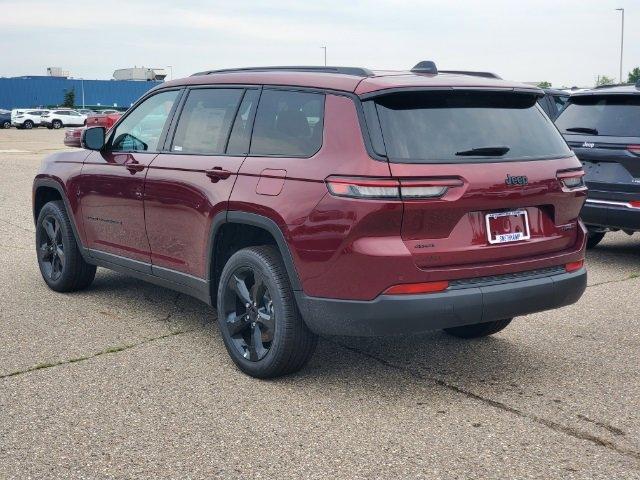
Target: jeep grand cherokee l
<point x="602" y="126"/>
<point x="305" y="200"/>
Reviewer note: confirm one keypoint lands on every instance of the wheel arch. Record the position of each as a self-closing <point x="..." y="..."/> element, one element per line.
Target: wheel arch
<point x="234" y="230"/>
<point x="46" y="190"/>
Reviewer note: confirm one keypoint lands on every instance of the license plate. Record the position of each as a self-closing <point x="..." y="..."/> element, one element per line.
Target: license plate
<point x="506" y="227"/>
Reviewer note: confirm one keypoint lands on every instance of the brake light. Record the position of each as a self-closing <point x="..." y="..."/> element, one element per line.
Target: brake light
<point x="571" y="178"/>
<point x="573" y="266"/>
<point x="634" y="204"/>
<point x="417" y="288"/>
<point x="385" y="188"/>
<point x="635" y="149"/>
<point x="364" y="187"/>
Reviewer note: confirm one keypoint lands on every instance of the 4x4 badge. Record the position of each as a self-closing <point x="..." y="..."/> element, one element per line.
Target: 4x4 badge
<point x="518" y="180"/>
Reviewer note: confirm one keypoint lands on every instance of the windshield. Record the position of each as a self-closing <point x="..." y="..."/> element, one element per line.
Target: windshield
<point x="466" y="126"/>
<point x="613" y="115"/>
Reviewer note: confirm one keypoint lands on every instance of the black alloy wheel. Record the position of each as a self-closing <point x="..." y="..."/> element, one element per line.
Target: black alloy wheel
<point x="249" y="315"/>
<point x="51" y="248"/>
<point x="28" y="124"/>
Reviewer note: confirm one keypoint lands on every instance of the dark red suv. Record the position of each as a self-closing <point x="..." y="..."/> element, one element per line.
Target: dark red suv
<point x="307" y="200"/>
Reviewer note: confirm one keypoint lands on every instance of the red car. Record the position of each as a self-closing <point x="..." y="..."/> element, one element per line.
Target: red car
<point x="72" y="136"/>
<point x="324" y="200"/>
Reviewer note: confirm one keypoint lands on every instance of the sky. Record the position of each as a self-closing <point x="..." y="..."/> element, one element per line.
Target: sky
<point x="565" y="42"/>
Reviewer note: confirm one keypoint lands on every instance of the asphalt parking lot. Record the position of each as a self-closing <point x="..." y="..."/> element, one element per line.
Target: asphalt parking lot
<point x="131" y="380"/>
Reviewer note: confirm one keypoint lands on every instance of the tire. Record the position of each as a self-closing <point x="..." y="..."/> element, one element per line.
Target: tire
<point x="28" y="124"/>
<point x="594" y="238"/>
<point x="6" y="125"/>
<point x="61" y="264"/>
<point x="479" y="329"/>
<point x="269" y="337"/>
<point x="56" y="124"/>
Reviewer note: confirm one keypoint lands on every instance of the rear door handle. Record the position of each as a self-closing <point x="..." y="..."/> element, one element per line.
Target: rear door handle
<point x="134" y="167"/>
<point x="217" y="173"/>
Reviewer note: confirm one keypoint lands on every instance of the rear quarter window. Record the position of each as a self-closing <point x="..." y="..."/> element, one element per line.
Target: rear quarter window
<point x="442" y="127"/>
<point x="609" y="115"/>
<point x="288" y="124"/>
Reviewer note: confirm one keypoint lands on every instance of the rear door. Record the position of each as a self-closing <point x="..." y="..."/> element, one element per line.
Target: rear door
<point x="479" y="172"/>
<point x="190" y="183"/>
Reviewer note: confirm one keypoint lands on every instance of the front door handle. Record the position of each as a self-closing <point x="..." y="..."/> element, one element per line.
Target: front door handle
<point x="217" y="173"/>
<point x="134" y="167"/>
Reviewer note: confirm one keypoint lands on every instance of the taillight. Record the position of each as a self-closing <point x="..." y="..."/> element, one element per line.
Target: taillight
<point x="571" y="178"/>
<point x="573" y="266"/>
<point x="417" y="288"/>
<point x="635" y="149"/>
<point x="634" y="204"/>
<point x="364" y="187"/>
<point x="384" y="188"/>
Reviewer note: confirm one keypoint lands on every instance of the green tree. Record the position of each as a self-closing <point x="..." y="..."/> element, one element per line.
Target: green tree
<point x="544" y="84"/>
<point x="69" y="98"/>
<point x="634" y="75"/>
<point x="604" y="80"/>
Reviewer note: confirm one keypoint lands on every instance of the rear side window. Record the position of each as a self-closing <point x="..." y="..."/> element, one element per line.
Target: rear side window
<point x="205" y="121"/>
<point x="614" y="115"/>
<point x="448" y="127"/>
<point x="288" y="124"/>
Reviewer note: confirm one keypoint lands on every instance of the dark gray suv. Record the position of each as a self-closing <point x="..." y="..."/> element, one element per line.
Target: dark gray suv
<point x="602" y="126"/>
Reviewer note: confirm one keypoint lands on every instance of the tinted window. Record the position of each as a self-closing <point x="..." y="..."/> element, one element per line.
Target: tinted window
<point x="35" y="113"/>
<point x="435" y="127"/>
<point x="142" y="128"/>
<point x="288" y="124"/>
<point x="205" y="121"/>
<point x="241" y="133"/>
<point x="560" y="101"/>
<point x="616" y="115"/>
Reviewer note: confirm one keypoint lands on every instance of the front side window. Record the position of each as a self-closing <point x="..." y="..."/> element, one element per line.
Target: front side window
<point x="609" y="115"/>
<point x="142" y="128"/>
<point x="205" y="121"/>
<point x="288" y="124"/>
<point x="449" y="127"/>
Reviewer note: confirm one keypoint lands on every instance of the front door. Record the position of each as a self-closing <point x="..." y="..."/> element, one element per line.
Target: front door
<point x="111" y="186"/>
<point x="187" y="187"/>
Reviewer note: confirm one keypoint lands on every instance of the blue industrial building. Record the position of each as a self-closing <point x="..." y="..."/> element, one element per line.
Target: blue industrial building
<point x="41" y="91"/>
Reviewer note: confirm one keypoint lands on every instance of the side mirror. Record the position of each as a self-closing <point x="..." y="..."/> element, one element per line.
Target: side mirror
<point x="93" y="138"/>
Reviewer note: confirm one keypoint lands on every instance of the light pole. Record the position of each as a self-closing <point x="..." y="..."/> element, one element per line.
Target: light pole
<point x="325" y="55"/>
<point x="170" y="67"/>
<point x="82" y="89"/>
<point x="621" y="42"/>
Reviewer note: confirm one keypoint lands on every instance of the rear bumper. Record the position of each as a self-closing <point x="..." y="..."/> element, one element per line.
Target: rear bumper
<point x="610" y="214"/>
<point x="464" y="303"/>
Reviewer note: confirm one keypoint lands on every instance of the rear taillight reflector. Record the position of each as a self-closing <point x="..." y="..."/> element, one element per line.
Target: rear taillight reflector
<point x="635" y="149"/>
<point x="421" y="192"/>
<point x="417" y="288"/>
<point x="573" y="266"/>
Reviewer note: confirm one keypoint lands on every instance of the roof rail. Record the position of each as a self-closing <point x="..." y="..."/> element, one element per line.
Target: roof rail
<point x="355" y="71"/>
<point x="609" y="85"/>
<point x="473" y="74"/>
<point x="425" y="66"/>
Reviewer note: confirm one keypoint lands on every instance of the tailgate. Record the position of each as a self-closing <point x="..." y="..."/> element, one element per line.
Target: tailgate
<point x="453" y="230"/>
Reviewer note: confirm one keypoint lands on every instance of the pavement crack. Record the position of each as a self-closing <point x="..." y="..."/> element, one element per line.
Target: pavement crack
<point x="573" y="432"/>
<point x="618" y="280"/>
<point x="109" y="350"/>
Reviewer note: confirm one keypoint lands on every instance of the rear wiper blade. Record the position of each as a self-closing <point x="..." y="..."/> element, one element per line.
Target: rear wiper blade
<point x="592" y="131"/>
<point x="484" y="151"/>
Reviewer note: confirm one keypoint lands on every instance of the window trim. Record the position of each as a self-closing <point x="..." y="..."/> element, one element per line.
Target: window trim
<point x="165" y="129"/>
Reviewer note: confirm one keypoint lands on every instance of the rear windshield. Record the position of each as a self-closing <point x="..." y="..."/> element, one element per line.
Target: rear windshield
<point x="612" y="115"/>
<point x="432" y="127"/>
